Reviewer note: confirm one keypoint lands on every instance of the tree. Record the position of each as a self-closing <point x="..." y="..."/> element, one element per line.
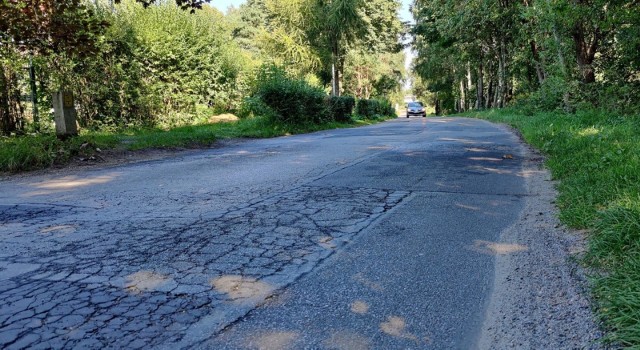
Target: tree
<point x="247" y="22"/>
<point x="383" y="30"/>
<point x="40" y="28"/>
<point x="45" y="26"/>
<point x="336" y="23"/>
<point x="184" y="4"/>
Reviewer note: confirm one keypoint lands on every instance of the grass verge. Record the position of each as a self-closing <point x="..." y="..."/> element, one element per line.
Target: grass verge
<point x="596" y="157"/>
<point x="41" y="151"/>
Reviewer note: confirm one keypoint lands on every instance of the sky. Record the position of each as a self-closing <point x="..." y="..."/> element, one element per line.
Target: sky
<point x="222" y="5"/>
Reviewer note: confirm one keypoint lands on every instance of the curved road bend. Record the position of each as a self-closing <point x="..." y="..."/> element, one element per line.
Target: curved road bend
<point x="376" y="237"/>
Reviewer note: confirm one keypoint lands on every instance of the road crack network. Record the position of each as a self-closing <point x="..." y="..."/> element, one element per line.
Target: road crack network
<point x="120" y="276"/>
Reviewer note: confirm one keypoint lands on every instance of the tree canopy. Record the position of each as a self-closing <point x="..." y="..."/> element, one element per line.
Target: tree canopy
<point x="555" y="53"/>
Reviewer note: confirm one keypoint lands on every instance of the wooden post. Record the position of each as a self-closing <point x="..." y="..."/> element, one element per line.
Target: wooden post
<point x="65" y="114"/>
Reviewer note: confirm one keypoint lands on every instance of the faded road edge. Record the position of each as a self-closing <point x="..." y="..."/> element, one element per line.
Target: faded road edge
<point x="540" y="298"/>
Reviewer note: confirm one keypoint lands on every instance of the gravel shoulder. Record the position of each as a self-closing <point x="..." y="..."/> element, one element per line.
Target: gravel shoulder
<point x="541" y="298"/>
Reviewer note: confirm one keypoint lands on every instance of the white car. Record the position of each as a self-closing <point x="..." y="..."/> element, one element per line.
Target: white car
<point x="416" y="108"/>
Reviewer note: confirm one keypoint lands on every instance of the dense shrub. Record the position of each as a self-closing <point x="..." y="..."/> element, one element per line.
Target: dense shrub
<point x="159" y="66"/>
<point x="341" y="108"/>
<point x="254" y="107"/>
<point x="188" y="60"/>
<point x="291" y="100"/>
<point x="110" y="90"/>
<point x="374" y="108"/>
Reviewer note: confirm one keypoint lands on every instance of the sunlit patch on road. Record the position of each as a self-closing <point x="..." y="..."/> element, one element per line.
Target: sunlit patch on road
<point x="344" y="340"/>
<point x="58" y="230"/>
<point x="486" y="159"/>
<point x="495" y="248"/>
<point x="359" y="307"/>
<point x="242" y="289"/>
<point x="396" y="326"/>
<point x="69" y="183"/>
<point x="275" y="340"/>
<point x="144" y="281"/>
<point x="476" y="150"/>
<point x="465" y="141"/>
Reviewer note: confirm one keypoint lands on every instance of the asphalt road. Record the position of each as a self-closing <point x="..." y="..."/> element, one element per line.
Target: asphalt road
<point x="379" y="237"/>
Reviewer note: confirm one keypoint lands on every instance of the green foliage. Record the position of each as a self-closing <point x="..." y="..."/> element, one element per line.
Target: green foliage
<point x="25" y="153"/>
<point x="146" y="64"/>
<point x="372" y="109"/>
<point x="382" y="26"/>
<point x="616" y="249"/>
<point x="11" y="110"/>
<point x="285" y="41"/>
<point x="560" y="54"/>
<point x="41" y="151"/>
<point x="187" y="58"/>
<point x="335" y="24"/>
<point x="247" y="22"/>
<point x="254" y="106"/>
<point x="110" y="90"/>
<point x="341" y="108"/>
<point x="547" y="98"/>
<point x="291" y="100"/>
<point x="46" y="26"/>
<point x="183" y="4"/>
<point x="377" y="75"/>
<point x="155" y="66"/>
<point x="596" y="157"/>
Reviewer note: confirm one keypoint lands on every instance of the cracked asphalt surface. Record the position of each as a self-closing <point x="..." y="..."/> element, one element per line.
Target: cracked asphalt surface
<point x="375" y="237"/>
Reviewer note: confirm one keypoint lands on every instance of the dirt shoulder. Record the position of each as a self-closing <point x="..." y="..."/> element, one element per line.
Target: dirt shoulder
<point x="541" y="298"/>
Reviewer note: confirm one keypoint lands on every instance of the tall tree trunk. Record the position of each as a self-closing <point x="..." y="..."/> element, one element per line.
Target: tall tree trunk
<point x="480" y="87"/>
<point x="463" y="96"/>
<point x="490" y="93"/>
<point x="502" y="72"/>
<point x="496" y="92"/>
<point x="5" y="116"/>
<point x="11" y="109"/>
<point x="34" y="94"/>
<point x="537" y="62"/>
<point x="16" y="104"/>
<point x="469" y="87"/>
<point x="586" y="47"/>
<point x="563" y="65"/>
<point x="335" y="75"/>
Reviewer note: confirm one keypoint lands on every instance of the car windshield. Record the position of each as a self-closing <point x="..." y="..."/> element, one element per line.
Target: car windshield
<point x="415" y="104"/>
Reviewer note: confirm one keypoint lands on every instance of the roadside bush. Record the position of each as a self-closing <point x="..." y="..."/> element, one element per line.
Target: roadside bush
<point x="252" y="107"/>
<point x="291" y="100"/>
<point x="341" y="108"/>
<point x="549" y="96"/>
<point x="374" y="108"/>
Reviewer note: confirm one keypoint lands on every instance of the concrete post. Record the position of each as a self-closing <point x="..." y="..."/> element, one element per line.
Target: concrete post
<point x="65" y="114"/>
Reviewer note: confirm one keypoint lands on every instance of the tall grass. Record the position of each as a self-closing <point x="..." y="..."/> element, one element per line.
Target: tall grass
<point x="596" y="157"/>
